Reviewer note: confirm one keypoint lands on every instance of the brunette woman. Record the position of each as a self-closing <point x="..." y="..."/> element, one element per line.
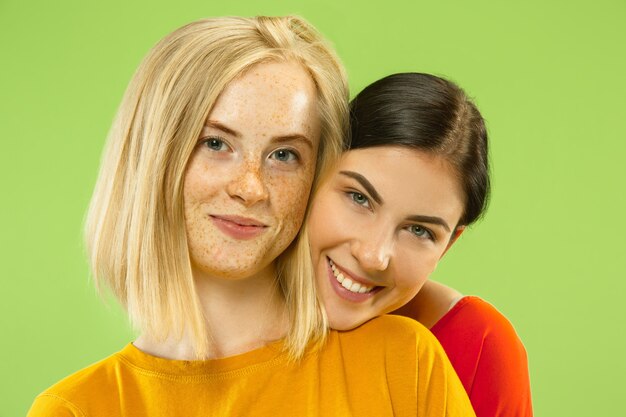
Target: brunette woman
<point x="415" y="177"/>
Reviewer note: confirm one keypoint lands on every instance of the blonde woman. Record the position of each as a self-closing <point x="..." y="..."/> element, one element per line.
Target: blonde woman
<point x="204" y="185"/>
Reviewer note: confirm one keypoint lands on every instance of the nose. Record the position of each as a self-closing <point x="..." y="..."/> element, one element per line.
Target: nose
<point x="248" y="186"/>
<point x="373" y="249"/>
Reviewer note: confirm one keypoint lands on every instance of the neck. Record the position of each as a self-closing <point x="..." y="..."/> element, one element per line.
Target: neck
<point x="242" y="315"/>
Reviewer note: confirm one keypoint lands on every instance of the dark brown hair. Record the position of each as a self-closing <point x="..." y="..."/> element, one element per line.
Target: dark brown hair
<point x="430" y="114"/>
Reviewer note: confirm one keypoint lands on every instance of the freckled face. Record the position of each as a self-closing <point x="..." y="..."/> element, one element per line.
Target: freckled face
<point x="248" y="180"/>
<point x="378" y="227"/>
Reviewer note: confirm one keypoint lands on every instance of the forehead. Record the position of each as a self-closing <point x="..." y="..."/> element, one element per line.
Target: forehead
<point x="272" y="96"/>
<point x="409" y="180"/>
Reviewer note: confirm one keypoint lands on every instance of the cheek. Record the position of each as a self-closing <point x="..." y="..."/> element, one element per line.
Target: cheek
<point x="192" y="192"/>
<point x="192" y="181"/>
<point x="291" y="195"/>
<point x="192" y="196"/>
<point x="414" y="269"/>
<point x="201" y="179"/>
<point x="327" y="222"/>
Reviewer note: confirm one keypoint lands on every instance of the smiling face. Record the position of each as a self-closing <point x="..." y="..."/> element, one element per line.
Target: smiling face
<point x="378" y="227"/>
<point x="248" y="180"/>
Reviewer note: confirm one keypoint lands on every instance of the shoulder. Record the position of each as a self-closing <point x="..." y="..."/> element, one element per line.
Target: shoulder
<point x="395" y="341"/>
<point x="409" y="359"/>
<point x="473" y="328"/>
<point x="478" y="329"/>
<point x="48" y="404"/>
<point x="414" y="356"/>
<point x="390" y="330"/>
<point x="475" y="318"/>
<point x="66" y="396"/>
<point x="391" y="323"/>
<point x="481" y="309"/>
<point x="488" y="356"/>
<point x="89" y="378"/>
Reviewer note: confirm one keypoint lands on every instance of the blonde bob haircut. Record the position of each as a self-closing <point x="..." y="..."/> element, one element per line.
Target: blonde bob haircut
<point x="135" y="230"/>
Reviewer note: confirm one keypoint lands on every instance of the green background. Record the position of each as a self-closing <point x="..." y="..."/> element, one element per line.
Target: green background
<point x="549" y="77"/>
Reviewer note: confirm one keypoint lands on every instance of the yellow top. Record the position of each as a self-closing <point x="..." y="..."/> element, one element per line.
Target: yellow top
<point x="390" y="366"/>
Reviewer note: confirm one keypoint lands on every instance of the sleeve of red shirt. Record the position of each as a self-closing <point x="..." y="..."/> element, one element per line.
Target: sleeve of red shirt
<point x="488" y="357"/>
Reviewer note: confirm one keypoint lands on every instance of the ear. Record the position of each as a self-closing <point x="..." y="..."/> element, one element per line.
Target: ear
<point x="455" y="235"/>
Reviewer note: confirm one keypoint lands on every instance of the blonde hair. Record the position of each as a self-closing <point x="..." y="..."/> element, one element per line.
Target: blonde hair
<point x="135" y="230"/>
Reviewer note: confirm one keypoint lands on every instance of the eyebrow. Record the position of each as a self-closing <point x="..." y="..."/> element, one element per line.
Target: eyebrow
<point x="430" y="219"/>
<point x="365" y="183"/>
<point x="280" y="139"/>
<point x="219" y="126"/>
<point x="295" y="137"/>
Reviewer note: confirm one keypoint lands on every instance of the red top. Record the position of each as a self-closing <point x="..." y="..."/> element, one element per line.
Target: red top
<point x="488" y="356"/>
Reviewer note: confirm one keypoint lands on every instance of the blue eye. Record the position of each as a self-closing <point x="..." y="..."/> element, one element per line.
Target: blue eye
<point x="421" y="232"/>
<point x="216" y="144"/>
<point x="284" y="155"/>
<point x="359" y="198"/>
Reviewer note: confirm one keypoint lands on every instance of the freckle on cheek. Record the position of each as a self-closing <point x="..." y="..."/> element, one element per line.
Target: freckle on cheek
<point x="209" y="248"/>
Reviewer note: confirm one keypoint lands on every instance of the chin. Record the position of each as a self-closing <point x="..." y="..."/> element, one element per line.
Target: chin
<point x="343" y="324"/>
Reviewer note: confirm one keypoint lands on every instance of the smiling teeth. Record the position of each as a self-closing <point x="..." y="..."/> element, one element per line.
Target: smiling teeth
<point x="347" y="283"/>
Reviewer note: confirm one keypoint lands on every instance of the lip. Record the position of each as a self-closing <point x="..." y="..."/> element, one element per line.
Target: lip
<point x="344" y="293"/>
<point x="237" y="227"/>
